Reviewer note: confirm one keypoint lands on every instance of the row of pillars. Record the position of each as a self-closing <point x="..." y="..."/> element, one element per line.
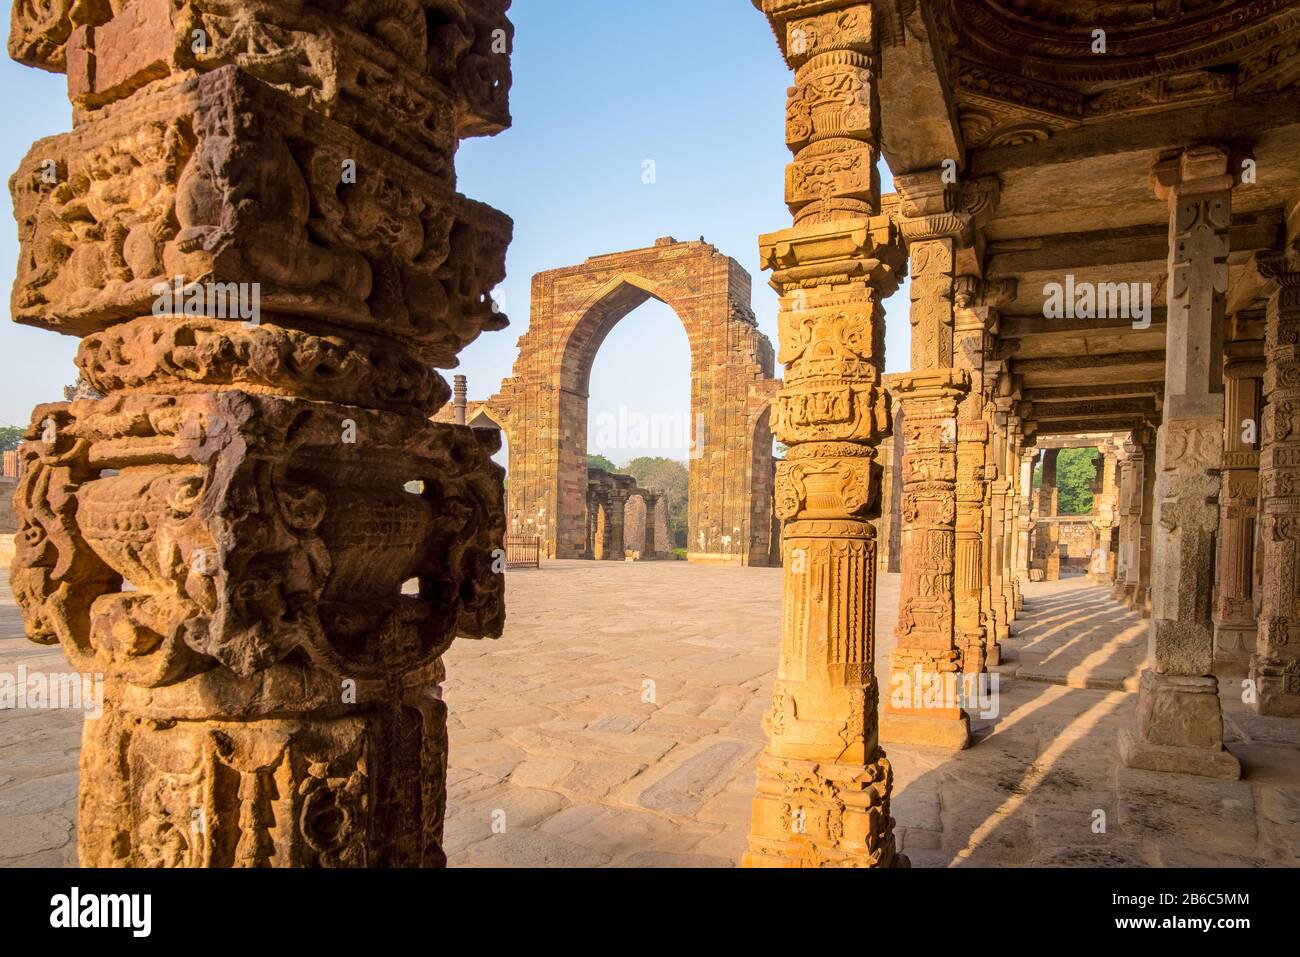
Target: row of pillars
<point x="824" y="781"/>
<point x="281" y="534"/>
<point x="609" y="531"/>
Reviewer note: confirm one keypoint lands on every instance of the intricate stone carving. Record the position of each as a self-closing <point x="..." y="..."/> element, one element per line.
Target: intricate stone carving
<point x="1277" y="653"/>
<point x="256" y="534"/>
<point x="823" y="781"/>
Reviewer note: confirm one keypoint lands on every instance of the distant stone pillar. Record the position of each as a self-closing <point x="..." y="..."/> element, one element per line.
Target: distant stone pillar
<point x="824" y="783"/>
<point x="1024" y="515"/>
<point x="1123" y="502"/>
<point x="260" y="246"/>
<point x="651" y="506"/>
<point x="663" y="539"/>
<point x="1132" y="477"/>
<point x="1275" y="666"/>
<point x="1103" y="570"/>
<point x="1008" y="476"/>
<point x="1180" y="723"/>
<point x="1141" y="598"/>
<point x="994" y="600"/>
<point x="1048" y="533"/>
<point x="613" y="534"/>
<point x="460" y="397"/>
<point x="1234" y="598"/>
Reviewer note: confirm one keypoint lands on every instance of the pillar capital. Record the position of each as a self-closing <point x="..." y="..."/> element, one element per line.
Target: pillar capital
<point x="1190" y="171"/>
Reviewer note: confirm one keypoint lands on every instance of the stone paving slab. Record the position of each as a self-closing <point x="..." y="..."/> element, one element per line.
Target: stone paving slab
<point x="617" y="721"/>
<point x="1080" y="638"/>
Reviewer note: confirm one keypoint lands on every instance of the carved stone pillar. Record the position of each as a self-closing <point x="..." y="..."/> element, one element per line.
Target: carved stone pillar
<point x="994" y="600"/>
<point x="614" y="547"/>
<point x="651" y="549"/>
<point x="1124" y="504"/>
<point x="936" y="640"/>
<point x="928" y="648"/>
<point x="976" y="528"/>
<point x="1001" y="599"/>
<point x="1011" y="518"/>
<point x="1024" y="514"/>
<point x="1104" y="508"/>
<point x="823" y="781"/>
<point x="1180" y="724"/>
<point x="265" y="259"/>
<point x="1140" y="601"/>
<point x="1234" y="597"/>
<point x="1275" y="666"/>
<point x="1047" y="535"/>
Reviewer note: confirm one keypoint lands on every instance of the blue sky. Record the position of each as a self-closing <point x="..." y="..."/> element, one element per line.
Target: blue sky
<point x="697" y="87"/>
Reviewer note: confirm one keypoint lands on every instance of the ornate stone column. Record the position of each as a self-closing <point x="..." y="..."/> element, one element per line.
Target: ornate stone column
<point x="1275" y="666"/>
<point x="823" y="781"/>
<point x="1141" y="598"/>
<point x="1008" y="477"/>
<point x="933" y="642"/>
<point x="265" y="259"/>
<point x="1180" y="724"/>
<point x="1234" y="596"/>
<point x="974" y="615"/>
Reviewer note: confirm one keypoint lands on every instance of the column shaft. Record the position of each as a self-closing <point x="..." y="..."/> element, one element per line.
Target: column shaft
<point x="823" y="781"/>
<point x="1275" y="666"/>
<point x="1180" y="724"/>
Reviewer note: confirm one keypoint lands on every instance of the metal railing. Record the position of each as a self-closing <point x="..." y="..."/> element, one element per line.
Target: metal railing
<point x="523" y="551"/>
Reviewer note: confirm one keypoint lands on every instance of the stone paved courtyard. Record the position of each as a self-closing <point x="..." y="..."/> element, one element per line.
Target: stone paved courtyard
<point x="618" y="721"/>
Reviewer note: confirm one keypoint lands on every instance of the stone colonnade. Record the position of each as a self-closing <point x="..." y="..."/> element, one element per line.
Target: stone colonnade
<point x="1169" y="491"/>
<point x="623" y="517"/>
<point x="253" y="228"/>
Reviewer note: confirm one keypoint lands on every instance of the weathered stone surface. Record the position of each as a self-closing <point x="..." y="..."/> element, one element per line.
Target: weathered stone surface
<point x="543" y="405"/>
<point x="264" y="263"/>
<point x="823" y="780"/>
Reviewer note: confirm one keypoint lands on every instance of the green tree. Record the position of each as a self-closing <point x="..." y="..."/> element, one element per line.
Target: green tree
<point x="1075" y="473"/>
<point x="10" y="437"/>
<point x="600" y="462"/>
<point x="671" y="479"/>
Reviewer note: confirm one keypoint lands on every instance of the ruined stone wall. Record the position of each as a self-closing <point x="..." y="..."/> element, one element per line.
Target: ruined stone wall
<point x="543" y="405"/>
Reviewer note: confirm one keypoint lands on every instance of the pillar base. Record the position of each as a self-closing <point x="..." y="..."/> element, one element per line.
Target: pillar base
<point x="1179" y="728"/>
<point x="1139" y="600"/>
<point x="1200" y="761"/>
<point x="822" y="814"/>
<point x="1277" y="688"/>
<point x="1234" y="645"/>
<point x="993" y="655"/>
<point x="944" y="728"/>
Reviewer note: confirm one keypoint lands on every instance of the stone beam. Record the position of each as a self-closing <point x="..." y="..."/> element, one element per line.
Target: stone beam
<point x="1140" y="135"/>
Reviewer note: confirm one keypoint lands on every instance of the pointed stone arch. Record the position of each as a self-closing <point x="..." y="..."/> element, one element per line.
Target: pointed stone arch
<point x="543" y="405"/>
